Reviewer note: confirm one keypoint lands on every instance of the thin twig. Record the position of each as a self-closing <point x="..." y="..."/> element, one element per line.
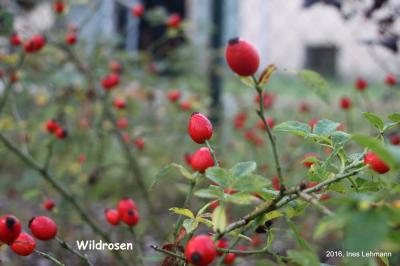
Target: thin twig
<point x="68" y="247"/>
<point x="49" y="257"/>
<point x="169" y="253"/>
<point x="315" y="202"/>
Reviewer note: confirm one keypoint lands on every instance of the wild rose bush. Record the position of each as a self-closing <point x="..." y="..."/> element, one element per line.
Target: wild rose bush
<point x="102" y="145"/>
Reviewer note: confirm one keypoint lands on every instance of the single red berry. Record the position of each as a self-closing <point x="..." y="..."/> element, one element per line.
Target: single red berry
<point x="395" y="140"/>
<point x="112" y="216"/>
<point x="239" y="120"/>
<point x="131" y="217"/>
<point x="137" y="10"/>
<point x="270" y="122"/>
<point x="324" y="196"/>
<point x="309" y="156"/>
<point x="200" y="250"/>
<point x="122" y="123"/>
<point x="229" y="258"/>
<point x="49" y="204"/>
<point x="119" y="103"/>
<point x="81" y="158"/>
<point x="24" y="245"/>
<point x="43" y="228"/>
<point x="39" y="41"/>
<point x="58" y="6"/>
<point x="126" y="137"/>
<point x="313" y="122"/>
<point x="186" y="106"/>
<point x="345" y="103"/>
<point x="61" y="133"/>
<point x="361" y="84"/>
<point x="276" y="183"/>
<point x="15" y="40"/>
<point x="29" y="46"/>
<point x="115" y="67"/>
<point x="140" y="143"/>
<point x="214" y="204"/>
<point x="390" y="80"/>
<point x="256" y="240"/>
<point x="51" y="125"/>
<point x="200" y="128"/>
<point x="110" y="81"/>
<point x="304" y="107"/>
<point x="10" y="228"/>
<point x="201" y="160"/>
<point x="174" y="21"/>
<point x="70" y="38"/>
<point x="125" y="205"/>
<point x="242" y="57"/>
<point x="267" y="98"/>
<point x="222" y="243"/>
<point x="174" y="95"/>
<point x="375" y="163"/>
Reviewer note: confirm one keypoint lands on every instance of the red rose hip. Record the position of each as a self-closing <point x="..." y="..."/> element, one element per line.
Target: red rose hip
<point x="125" y="205"/>
<point x="242" y="57"/>
<point x="200" y="128"/>
<point x="112" y="216"/>
<point x="200" y="250"/>
<point x="375" y="163"/>
<point x="24" y="245"/>
<point x="43" y="228"/>
<point x="201" y="160"/>
<point x="10" y="228"/>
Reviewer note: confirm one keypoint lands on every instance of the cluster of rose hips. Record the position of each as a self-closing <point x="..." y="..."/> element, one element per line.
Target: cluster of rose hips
<point x="175" y="95"/>
<point x="173" y="20"/>
<point x="23" y="244"/>
<point x="52" y="126"/>
<point x="126" y="211"/>
<point x="33" y="45"/>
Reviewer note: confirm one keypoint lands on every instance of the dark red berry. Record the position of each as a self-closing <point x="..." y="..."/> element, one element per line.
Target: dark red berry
<point x="43" y="228"/>
<point x="390" y="80"/>
<point x="49" y="204"/>
<point x="307" y="162"/>
<point x="186" y="106"/>
<point x="313" y="122"/>
<point x="122" y="123"/>
<point x="200" y="250"/>
<point x="375" y="163"/>
<point x="51" y="126"/>
<point x="174" y="21"/>
<point x="119" y="103"/>
<point x="201" y="160"/>
<point x="110" y="81"/>
<point x="304" y="107"/>
<point x="222" y="243"/>
<point x="174" y="95"/>
<point x="276" y="183"/>
<point x="10" y="228"/>
<point x="61" y="133"/>
<point x="395" y="140"/>
<point x="361" y="84"/>
<point x="267" y="98"/>
<point x="70" y="38"/>
<point x="140" y="143"/>
<point x="137" y="10"/>
<point x="200" y="128"/>
<point x="125" y="205"/>
<point x="24" y="245"/>
<point x="229" y="258"/>
<point x="112" y="216"/>
<point x="345" y="103"/>
<point x="15" y="40"/>
<point x="58" y="6"/>
<point x="242" y="57"/>
<point x="239" y="120"/>
<point x="131" y="217"/>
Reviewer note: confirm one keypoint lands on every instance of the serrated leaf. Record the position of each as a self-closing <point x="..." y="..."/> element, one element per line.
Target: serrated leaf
<point x="181" y="211"/>
<point x="316" y="82"/>
<point x="190" y="225"/>
<point x="219" y="219"/>
<point x="325" y="127"/>
<point x="294" y="127"/>
<point x="395" y="117"/>
<point x="339" y="138"/>
<point x="244" y="168"/>
<point x="266" y="75"/>
<point x="218" y="175"/>
<point x="375" y="120"/>
<point x="211" y="192"/>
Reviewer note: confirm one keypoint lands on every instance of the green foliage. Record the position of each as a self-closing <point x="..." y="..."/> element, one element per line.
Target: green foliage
<point x="316" y="82"/>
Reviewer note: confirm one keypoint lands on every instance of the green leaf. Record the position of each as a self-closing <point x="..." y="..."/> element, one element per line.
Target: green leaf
<point x="190" y="225"/>
<point x="329" y="224"/>
<point x="219" y="219"/>
<point x="202" y="220"/>
<point x="240" y="198"/>
<point x="183" y="171"/>
<point x="6" y="22"/>
<point x="303" y="258"/>
<point x="218" y="175"/>
<point x="244" y="168"/>
<point x="325" y="127"/>
<point x="339" y="138"/>
<point x="248" y="183"/>
<point x="375" y="120"/>
<point x="211" y="192"/>
<point x="294" y="127"/>
<point x="358" y="226"/>
<point x="160" y="174"/>
<point x="181" y="211"/>
<point x="248" y="81"/>
<point x="316" y="82"/>
<point x="395" y="117"/>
